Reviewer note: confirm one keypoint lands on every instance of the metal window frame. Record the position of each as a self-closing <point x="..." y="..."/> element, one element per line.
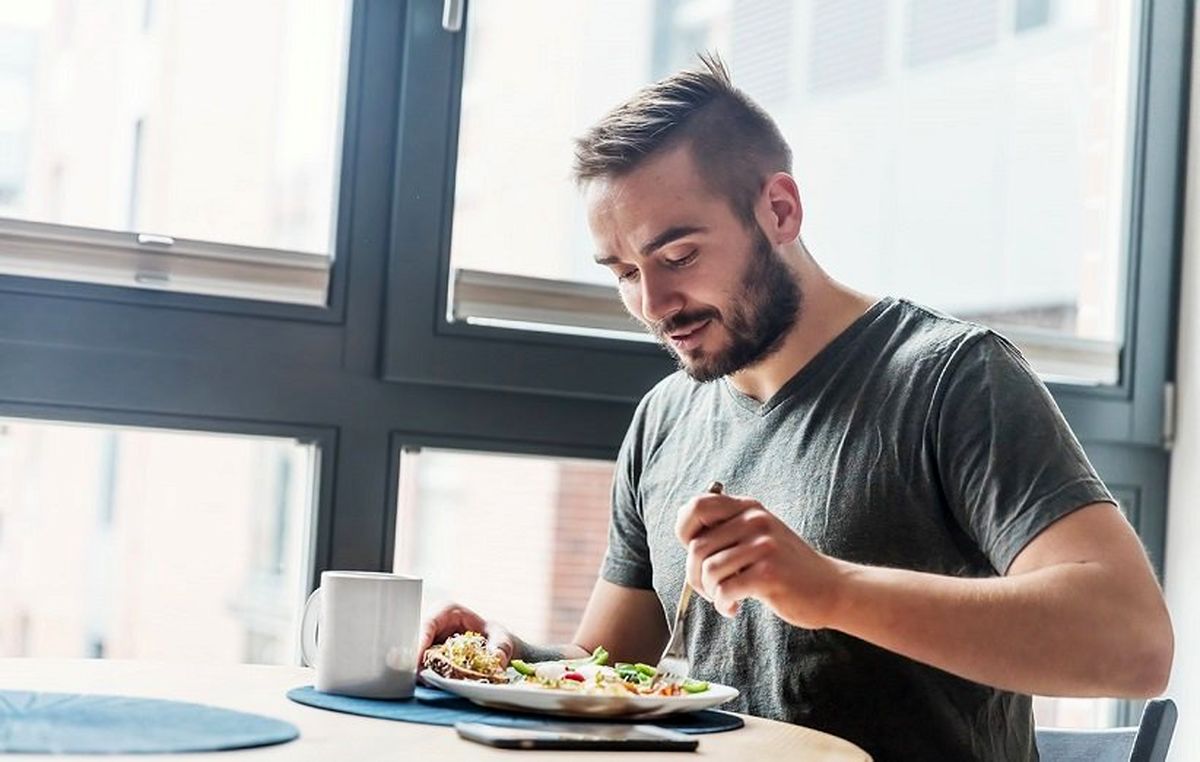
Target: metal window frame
<point x="180" y="266"/>
<point x="324" y="439"/>
<point x="137" y="268"/>
<point x="540" y="304"/>
<point x="378" y="367"/>
<point x="401" y="440"/>
<point x="423" y="347"/>
<point x="79" y="352"/>
<point x="420" y="345"/>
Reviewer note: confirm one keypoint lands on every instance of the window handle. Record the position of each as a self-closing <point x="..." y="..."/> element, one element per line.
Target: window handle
<point x="150" y="239"/>
<point x="452" y="15"/>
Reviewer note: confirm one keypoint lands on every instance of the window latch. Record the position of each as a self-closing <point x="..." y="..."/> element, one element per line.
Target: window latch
<point x="154" y="277"/>
<point x="150" y="239"/>
<point x="452" y="15"/>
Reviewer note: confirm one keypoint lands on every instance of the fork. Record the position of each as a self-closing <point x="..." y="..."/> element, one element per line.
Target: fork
<point x="673" y="666"/>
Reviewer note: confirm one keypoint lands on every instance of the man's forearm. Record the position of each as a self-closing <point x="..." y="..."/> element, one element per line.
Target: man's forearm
<point x="1070" y="629"/>
<point x="533" y="653"/>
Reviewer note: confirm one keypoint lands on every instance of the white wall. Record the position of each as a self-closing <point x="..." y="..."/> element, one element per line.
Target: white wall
<point x="1183" y="513"/>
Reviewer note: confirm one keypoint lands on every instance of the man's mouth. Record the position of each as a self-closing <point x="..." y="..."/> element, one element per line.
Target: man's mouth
<point x="690" y="336"/>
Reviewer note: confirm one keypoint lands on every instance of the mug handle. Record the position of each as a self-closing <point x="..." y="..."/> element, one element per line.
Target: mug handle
<point x="308" y="628"/>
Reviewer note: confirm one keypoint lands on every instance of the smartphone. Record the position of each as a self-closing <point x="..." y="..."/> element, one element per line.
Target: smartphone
<point x="578" y="736"/>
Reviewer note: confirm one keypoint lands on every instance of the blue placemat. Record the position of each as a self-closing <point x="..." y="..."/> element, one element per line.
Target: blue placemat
<point x="431" y="706"/>
<point x="81" y="723"/>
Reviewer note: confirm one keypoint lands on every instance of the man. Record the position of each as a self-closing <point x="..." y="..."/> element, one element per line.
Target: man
<point x="911" y="541"/>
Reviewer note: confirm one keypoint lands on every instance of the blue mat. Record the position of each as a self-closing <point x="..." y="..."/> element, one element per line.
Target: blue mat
<point x="431" y="706"/>
<point x="80" y="723"/>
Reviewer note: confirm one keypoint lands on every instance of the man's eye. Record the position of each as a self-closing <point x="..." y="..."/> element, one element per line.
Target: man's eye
<point x="627" y="275"/>
<point x="685" y="259"/>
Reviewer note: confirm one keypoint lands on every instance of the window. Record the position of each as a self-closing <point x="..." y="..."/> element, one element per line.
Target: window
<point x="1076" y="713"/>
<point x="1019" y="168"/>
<point x="145" y="544"/>
<point x="176" y="145"/>
<point x="521" y="540"/>
<point x="941" y="156"/>
<point x="381" y="364"/>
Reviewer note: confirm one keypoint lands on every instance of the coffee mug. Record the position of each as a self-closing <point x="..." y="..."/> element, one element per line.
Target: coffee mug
<point x="367" y="645"/>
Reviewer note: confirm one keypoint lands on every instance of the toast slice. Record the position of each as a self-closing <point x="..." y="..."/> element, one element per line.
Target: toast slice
<point x="439" y="661"/>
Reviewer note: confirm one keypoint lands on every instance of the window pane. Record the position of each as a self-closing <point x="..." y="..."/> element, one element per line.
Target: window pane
<point x="520" y="540"/>
<point x="1080" y="713"/>
<point x="215" y="121"/>
<point x="147" y="544"/>
<point x="971" y="155"/>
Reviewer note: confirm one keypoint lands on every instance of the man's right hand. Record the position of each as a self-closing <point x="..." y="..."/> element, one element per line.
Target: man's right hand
<point x="453" y="619"/>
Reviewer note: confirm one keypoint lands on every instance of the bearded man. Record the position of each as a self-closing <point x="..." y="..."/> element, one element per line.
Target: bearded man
<point x="911" y="540"/>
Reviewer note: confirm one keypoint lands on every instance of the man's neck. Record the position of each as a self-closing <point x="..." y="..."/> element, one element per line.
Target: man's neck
<point x="827" y="309"/>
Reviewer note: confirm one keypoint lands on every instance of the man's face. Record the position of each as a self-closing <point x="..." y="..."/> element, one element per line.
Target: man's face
<point x="718" y="296"/>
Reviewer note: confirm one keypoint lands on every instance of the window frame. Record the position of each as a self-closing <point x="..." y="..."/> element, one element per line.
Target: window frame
<point x="423" y="347"/>
<point x="376" y="369"/>
<point x="420" y="345"/>
<point x="400" y="440"/>
<point x="323" y="439"/>
<point x="77" y="352"/>
<point x="360" y="77"/>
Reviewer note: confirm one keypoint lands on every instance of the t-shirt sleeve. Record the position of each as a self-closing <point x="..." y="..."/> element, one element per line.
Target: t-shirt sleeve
<point x="1009" y="463"/>
<point x="627" y="560"/>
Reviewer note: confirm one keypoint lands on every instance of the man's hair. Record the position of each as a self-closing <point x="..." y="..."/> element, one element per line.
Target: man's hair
<point x="733" y="142"/>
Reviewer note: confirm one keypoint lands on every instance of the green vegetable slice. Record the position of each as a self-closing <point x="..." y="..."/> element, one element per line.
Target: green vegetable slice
<point x="521" y="667"/>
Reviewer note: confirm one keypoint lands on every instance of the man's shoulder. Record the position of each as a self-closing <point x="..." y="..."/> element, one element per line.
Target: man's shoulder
<point x="920" y="334"/>
<point x="661" y="412"/>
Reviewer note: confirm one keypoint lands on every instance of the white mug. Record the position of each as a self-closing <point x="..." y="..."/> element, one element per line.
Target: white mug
<point x="369" y="622"/>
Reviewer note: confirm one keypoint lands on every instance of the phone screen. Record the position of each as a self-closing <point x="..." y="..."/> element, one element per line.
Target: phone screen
<point x="566" y="735"/>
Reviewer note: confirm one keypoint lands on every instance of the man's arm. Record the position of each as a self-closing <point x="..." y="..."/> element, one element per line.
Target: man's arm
<point x="1079" y="612"/>
<point x="627" y="621"/>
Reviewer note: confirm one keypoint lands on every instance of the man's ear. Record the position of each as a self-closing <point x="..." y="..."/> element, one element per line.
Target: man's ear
<point x="781" y="212"/>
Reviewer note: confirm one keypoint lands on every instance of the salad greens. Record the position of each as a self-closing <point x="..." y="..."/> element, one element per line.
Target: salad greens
<point x="599" y="657"/>
<point x="593" y="671"/>
<point x="643" y="674"/>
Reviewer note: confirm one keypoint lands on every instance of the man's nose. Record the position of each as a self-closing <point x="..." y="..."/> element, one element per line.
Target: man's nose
<point x="660" y="300"/>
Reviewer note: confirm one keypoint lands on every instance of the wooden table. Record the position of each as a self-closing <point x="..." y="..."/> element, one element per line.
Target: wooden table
<point x="326" y="735"/>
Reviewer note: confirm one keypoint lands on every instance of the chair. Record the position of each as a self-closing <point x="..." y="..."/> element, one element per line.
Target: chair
<point x="1148" y="742"/>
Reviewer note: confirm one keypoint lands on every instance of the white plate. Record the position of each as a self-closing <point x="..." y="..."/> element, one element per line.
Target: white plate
<point x="549" y="701"/>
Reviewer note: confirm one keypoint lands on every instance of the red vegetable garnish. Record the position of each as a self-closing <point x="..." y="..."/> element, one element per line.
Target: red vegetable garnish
<point x="573" y="676"/>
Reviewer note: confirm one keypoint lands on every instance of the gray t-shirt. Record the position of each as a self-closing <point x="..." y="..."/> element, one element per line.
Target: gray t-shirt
<point x="914" y="441"/>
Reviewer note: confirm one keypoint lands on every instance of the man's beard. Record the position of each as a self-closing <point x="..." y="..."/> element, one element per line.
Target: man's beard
<point x="759" y="317"/>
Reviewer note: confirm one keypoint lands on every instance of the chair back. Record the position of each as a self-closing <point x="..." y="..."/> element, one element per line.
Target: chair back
<point x="1155" y="731"/>
<point x="1148" y="742"/>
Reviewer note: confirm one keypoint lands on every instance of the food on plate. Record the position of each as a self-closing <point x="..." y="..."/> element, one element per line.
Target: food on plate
<point x="466" y="657"/>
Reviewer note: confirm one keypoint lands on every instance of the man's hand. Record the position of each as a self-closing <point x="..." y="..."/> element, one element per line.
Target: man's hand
<point x="737" y="549"/>
<point x="452" y="619"/>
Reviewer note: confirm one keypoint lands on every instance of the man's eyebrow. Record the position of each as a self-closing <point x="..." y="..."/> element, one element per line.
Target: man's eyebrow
<point x="655" y="243"/>
<point x="669" y="235"/>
